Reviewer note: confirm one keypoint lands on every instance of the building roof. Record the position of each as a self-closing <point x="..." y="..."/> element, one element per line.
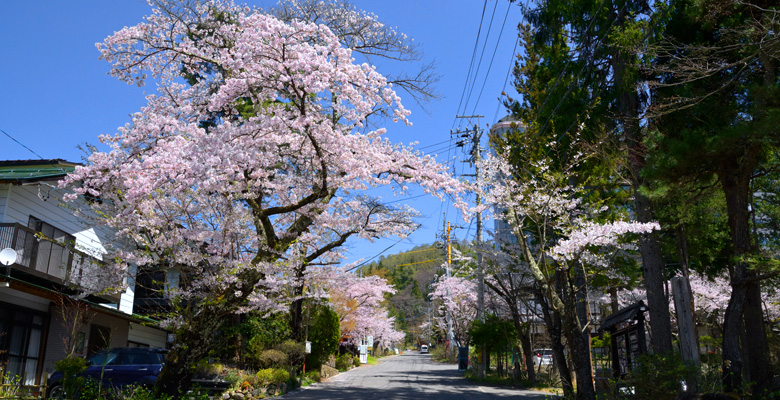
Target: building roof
<point x="630" y="313"/>
<point x="20" y="171"/>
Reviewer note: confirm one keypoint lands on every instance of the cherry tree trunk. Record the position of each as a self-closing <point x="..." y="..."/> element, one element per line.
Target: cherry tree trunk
<point x="524" y="334"/>
<point x="580" y="345"/>
<point x="192" y="344"/>
<point x="579" y="335"/>
<point x="552" y="320"/>
<point x="297" y="329"/>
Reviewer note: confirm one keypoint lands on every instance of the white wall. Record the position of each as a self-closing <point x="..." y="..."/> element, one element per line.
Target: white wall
<point x="154" y="337"/>
<point x="19" y="298"/>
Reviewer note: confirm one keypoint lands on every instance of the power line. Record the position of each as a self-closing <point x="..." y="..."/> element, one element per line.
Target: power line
<point x="481" y="55"/>
<point x="490" y="65"/>
<point x="21" y="144"/>
<point x="473" y="57"/>
<point x="506" y="79"/>
<point x="381" y="252"/>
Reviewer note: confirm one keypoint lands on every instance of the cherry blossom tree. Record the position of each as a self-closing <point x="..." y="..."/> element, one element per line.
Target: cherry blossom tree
<point x="358" y="302"/>
<point x="711" y="297"/>
<point x="508" y="277"/>
<point x="457" y="297"/>
<point x="563" y="240"/>
<point x="247" y="166"/>
<point x="377" y="42"/>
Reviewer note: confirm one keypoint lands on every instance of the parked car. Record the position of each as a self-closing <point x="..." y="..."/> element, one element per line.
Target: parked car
<point x="119" y="367"/>
<point x="424" y="348"/>
<point x="543" y="357"/>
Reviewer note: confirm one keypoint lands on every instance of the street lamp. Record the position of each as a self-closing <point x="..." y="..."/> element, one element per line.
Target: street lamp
<point x="7" y="257"/>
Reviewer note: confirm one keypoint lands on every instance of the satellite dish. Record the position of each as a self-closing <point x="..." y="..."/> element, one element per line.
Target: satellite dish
<point x="7" y="256"/>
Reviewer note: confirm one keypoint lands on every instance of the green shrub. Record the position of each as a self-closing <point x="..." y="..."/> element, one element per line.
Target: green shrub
<point x="239" y="378"/>
<point x="265" y="376"/>
<point x="135" y="392"/>
<point x="356" y="361"/>
<point x="263" y="332"/>
<point x="344" y="362"/>
<point x="294" y="351"/>
<point x="280" y="376"/>
<point x="70" y="367"/>
<point x="324" y="332"/>
<point x="270" y="376"/>
<point x="659" y="376"/>
<point x="272" y="359"/>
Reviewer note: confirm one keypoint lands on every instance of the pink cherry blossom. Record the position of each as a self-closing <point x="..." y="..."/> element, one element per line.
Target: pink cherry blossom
<point x="254" y="171"/>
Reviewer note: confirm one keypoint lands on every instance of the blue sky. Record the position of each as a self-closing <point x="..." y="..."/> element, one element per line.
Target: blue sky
<point x="55" y="93"/>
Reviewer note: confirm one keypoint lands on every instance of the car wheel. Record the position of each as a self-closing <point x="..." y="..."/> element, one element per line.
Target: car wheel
<point x="56" y="392"/>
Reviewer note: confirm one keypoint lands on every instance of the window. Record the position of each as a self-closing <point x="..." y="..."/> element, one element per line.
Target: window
<point x="51" y="256"/>
<point x="99" y="337"/>
<point x="150" y="283"/>
<point x="21" y="339"/>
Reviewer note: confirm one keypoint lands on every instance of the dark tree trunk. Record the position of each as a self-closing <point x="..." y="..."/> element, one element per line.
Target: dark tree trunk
<point x="552" y="320"/>
<point x="296" y="321"/>
<point x="580" y="345"/>
<point x="524" y="333"/>
<point x="528" y="355"/>
<point x="745" y="302"/>
<point x="732" y="325"/>
<point x="757" y="356"/>
<point x="580" y="336"/>
<point x="192" y="344"/>
<point x="297" y="329"/>
<point x="649" y="247"/>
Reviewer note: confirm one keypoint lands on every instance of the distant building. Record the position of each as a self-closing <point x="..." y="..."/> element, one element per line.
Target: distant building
<point x="502" y="230"/>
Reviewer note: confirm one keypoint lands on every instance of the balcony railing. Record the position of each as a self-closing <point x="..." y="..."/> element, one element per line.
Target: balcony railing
<point x="46" y="258"/>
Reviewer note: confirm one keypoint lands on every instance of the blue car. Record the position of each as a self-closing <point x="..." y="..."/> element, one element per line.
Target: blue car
<point x="117" y="368"/>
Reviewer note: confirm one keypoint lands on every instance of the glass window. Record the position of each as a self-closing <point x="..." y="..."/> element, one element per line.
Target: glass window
<point x="30" y="370"/>
<point x="17" y="340"/>
<point x="52" y="257"/>
<point x="21" y="339"/>
<point x="103" y="358"/>
<point x="34" y="345"/>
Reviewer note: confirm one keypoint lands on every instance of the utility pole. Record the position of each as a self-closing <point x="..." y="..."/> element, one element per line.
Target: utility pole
<point x="476" y="157"/>
<point x="450" y="334"/>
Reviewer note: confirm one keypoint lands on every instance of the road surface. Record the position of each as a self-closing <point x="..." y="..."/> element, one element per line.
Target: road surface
<point x="406" y="376"/>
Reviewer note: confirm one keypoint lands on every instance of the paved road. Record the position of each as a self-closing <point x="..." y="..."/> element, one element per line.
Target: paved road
<point x="406" y="376"/>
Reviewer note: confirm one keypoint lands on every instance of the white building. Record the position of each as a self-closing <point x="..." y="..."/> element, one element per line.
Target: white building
<point x="43" y="317"/>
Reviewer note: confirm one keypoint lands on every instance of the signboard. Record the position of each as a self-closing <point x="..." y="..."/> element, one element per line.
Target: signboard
<point x="363" y="358"/>
<point x="628" y="347"/>
<point x="308" y="347"/>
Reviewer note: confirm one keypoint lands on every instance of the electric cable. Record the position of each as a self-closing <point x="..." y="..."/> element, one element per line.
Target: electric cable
<point x="481" y="56"/>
